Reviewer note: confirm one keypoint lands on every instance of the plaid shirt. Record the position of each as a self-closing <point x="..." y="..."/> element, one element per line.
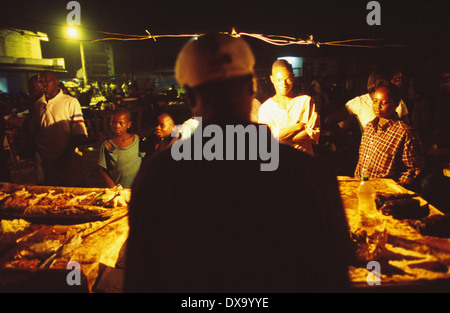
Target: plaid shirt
<point x="391" y="151"/>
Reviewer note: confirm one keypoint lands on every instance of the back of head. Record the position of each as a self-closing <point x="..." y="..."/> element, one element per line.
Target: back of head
<point x="213" y="57"/>
<point x="217" y="72"/>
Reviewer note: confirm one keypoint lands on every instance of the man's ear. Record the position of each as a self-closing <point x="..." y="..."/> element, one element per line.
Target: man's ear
<point x="271" y="79"/>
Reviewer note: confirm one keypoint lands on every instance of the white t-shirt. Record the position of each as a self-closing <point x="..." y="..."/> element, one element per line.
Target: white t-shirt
<point x="59" y="119"/>
<point x="362" y="107"/>
<point x="299" y="109"/>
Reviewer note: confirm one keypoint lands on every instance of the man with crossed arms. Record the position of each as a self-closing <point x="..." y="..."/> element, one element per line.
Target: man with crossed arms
<point x="291" y="117"/>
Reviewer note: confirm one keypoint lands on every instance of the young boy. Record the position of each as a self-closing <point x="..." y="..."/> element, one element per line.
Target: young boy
<point x="164" y="130"/>
<point x="162" y="136"/>
<point x="120" y="158"/>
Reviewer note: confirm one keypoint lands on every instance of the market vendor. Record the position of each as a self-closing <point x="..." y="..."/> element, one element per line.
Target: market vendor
<point x="58" y="127"/>
<point x="390" y="147"/>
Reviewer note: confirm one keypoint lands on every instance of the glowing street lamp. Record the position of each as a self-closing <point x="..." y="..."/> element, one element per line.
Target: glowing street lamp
<point x="73" y="33"/>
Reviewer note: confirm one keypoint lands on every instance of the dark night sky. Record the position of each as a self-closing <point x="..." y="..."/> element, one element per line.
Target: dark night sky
<point x="328" y="20"/>
<point x="422" y="23"/>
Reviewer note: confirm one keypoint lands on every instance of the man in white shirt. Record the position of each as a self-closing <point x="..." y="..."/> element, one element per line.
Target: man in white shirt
<point x="362" y="106"/>
<point x="291" y="117"/>
<point x="58" y="128"/>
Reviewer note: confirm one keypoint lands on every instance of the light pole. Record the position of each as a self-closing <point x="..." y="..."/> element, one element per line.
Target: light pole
<point x="73" y="33"/>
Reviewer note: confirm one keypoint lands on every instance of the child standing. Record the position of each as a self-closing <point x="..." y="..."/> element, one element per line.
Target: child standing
<point x="162" y="136"/>
<point x="163" y="131"/>
<point x="120" y="158"/>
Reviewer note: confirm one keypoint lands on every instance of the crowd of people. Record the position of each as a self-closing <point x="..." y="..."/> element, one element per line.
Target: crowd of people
<point x="226" y="226"/>
<point x="319" y="122"/>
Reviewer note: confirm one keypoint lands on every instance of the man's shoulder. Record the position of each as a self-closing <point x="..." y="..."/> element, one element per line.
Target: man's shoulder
<point x="68" y="99"/>
<point x="268" y="103"/>
<point x="267" y="109"/>
<point x="403" y="126"/>
<point x="302" y="97"/>
<point x="365" y="98"/>
<point x="302" y="100"/>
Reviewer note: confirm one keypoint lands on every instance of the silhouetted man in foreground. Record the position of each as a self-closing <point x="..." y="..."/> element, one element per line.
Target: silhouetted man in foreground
<point x="216" y="220"/>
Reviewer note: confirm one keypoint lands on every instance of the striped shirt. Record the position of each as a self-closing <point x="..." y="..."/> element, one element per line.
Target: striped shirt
<point x="393" y="150"/>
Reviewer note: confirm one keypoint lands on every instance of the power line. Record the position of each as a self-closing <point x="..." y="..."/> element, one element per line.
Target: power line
<point x="277" y="40"/>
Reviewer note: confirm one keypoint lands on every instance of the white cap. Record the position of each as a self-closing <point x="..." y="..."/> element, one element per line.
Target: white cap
<point x="213" y="57"/>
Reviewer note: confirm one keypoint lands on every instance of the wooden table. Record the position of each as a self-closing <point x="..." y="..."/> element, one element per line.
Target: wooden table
<point x="36" y="259"/>
<point x="98" y="244"/>
<point x="409" y="260"/>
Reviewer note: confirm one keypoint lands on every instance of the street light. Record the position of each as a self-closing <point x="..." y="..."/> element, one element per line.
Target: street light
<point x="73" y="33"/>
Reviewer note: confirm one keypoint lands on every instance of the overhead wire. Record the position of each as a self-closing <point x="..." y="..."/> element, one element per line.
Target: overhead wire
<point x="277" y="40"/>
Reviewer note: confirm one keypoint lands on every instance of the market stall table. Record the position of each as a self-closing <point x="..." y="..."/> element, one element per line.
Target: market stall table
<point x="35" y="252"/>
<point x="38" y="243"/>
<point x="409" y="260"/>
